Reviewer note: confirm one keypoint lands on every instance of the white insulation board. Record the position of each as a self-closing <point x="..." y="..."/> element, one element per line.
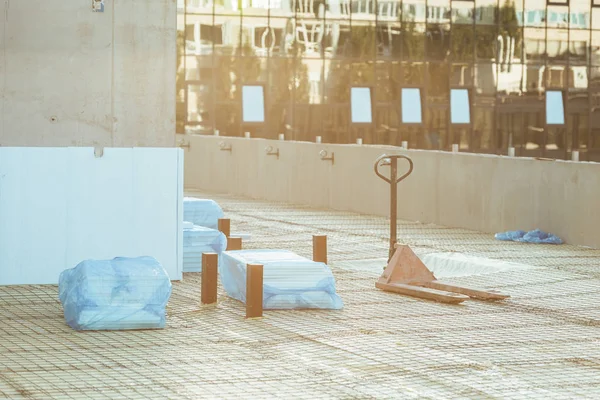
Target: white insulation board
<point x="61" y="206"/>
<point x="444" y="265"/>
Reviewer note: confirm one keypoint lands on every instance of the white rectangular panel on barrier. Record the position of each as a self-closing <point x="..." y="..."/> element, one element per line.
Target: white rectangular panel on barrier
<point x="555" y="107"/>
<point x="460" y="106"/>
<point x="361" y="106"/>
<point x="60" y="206"/>
<point x="253" y="103"/>
<point x="411" y="106"/>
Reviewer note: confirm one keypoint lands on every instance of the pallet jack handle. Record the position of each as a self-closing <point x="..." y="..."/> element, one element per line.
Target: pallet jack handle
<point x="393" y="180"/>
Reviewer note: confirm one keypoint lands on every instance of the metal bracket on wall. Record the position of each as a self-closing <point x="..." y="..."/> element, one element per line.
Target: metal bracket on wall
<point x="323" y="154"/>
<point x="225" y="147"/>
<point x="183" y="144"/>
<point x="270" y="152"/>
<point x="98" y="5"/>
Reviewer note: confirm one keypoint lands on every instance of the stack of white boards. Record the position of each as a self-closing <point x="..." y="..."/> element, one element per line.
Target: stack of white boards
<point x="202" y="212"/>
<point x="118" y="294"/>
<point x="198" y="240"/>
<point x="289" y="280"/>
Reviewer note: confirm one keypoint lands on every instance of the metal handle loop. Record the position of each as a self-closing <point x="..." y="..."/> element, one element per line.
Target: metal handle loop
<point x="396" y="156"/>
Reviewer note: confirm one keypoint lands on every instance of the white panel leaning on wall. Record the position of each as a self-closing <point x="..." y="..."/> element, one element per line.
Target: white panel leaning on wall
<point x="60" y="206"/>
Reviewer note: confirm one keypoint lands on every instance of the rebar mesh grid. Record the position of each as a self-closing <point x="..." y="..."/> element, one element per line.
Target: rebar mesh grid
<point x="541" y="343"/>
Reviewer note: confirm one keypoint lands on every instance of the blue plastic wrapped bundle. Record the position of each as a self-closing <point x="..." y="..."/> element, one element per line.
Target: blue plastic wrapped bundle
<point x="535" y="236"/>
<point x="290" y="281"/>
<point x="198" y="240"/>
<point x="202" y="212"/>
<point x="118" y="294"/>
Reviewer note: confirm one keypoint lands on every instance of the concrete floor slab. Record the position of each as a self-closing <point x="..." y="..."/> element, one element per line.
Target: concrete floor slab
<point x="541" y="343"/>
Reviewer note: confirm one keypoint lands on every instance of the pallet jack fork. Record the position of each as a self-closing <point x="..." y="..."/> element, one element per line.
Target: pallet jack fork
<point x="405" y="273"/>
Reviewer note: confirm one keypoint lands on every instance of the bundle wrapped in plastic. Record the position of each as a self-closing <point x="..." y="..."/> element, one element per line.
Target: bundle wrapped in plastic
<point x="198" y="240"/>
<point x="202" y="212"/>
<point x="289" y="280"/>
<point x="118" y="294"/>
<point x="534" y="236"/>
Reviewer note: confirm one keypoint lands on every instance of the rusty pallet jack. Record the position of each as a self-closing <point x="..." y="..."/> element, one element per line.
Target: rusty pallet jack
<point x="405" y="273"/>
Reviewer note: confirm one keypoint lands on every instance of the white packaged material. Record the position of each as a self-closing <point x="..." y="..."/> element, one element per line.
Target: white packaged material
<point x="198" y="240"/>
<point x="202" y="212"/>
<point x="290" y="281"/>
<point x="122" y="293"/>
<point x="450" y="265"/>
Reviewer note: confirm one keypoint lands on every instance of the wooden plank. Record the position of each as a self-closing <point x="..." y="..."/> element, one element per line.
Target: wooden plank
<point x="475" y="293"/>
<point x="254" y="290"/>
<point x="422" y="292"/>
<point x="234" y="243"/>
<point x="320" y="248"/>
<point x="224" y="225"/>
<point x="208" y="292"/>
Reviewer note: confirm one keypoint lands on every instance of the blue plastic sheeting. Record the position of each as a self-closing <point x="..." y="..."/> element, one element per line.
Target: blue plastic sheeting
<point x="198" y="240"/>
<point x="202" y="212"/>
<point x="118" y="294"/>
<point x="290" y="281"/>
<point x="535" y="236"/>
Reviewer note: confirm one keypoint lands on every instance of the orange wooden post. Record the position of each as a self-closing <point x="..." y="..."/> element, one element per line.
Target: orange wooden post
<point x="254" y="290"/>
<point x="320" y="248"/>
<point x="225" y="226"/>
<point x="234" y="243"/>
<point x="208" y="292"/>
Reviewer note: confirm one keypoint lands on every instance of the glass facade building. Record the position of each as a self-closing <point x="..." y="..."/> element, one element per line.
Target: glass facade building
<point x="483" y="74"/>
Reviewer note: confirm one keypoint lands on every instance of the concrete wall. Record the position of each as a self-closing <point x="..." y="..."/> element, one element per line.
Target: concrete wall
<point x="72" y="77"/>
<point x="480" y="192"/>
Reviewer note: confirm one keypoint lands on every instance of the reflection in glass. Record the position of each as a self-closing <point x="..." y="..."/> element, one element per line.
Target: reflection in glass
<point x="411" y="106"/>
<point x="412" y="41"/>
<point x="438" y="80"/>
<point x="198" y="108"/>
<point x="555" y="111"/>
<point x="463" y="12"/>
<point x="360" y="99"/>
<point x="460" y="109"/>
<point x="253" y="103"/>
<point x="308" y="54"/>
<point x="595" y="16"/>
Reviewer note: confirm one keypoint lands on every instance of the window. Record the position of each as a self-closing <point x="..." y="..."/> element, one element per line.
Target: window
<point x="253" y="103"/>
<point x="360" y="99"/>
<point x="412" y="112"/>
<point x="555" y="111"/>
<point x="460" y="106"/>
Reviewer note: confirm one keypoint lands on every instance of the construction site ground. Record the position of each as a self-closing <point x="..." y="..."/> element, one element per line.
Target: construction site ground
<point x="543" y="342"/>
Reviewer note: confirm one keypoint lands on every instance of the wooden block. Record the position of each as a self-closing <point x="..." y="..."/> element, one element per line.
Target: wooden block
<point x="422" y="292"/>
<point x="320" y="248"/>
<point x="234" y="243"/>
<point x="254" y="290"/>
<point x="225" y="226"/>
<point x="208" y="291"/>
<point x="474" y="293"/>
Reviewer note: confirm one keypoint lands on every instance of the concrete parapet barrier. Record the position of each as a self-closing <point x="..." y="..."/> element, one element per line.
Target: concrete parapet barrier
<point x="487" y="193"/>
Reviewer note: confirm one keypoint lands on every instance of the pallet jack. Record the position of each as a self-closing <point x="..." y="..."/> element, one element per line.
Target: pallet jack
<point x="405" y="273"/>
